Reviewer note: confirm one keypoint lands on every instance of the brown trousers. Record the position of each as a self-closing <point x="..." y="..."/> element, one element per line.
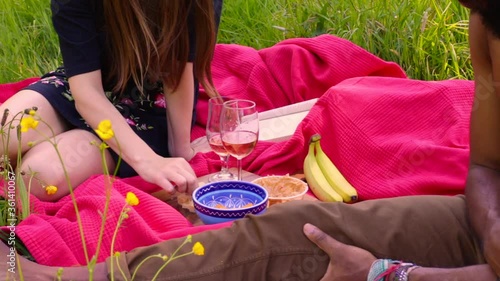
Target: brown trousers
<point x="426" y="230"/>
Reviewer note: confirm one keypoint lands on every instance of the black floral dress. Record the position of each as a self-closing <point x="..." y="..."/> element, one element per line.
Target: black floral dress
<point x="146" y="114"/>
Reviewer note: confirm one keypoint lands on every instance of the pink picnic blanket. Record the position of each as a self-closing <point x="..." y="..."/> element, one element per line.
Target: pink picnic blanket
<point x="388" y="134"/>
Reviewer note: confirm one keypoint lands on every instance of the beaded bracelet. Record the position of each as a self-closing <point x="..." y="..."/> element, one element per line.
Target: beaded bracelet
<point x="377" y="268"/>
<point x="402" y="273"/>
<point x="383" y="268"/>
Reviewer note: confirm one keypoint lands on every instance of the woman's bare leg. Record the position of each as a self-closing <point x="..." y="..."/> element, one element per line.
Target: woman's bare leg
<point x="81" y="160"/>
<point x="18" y="103"/>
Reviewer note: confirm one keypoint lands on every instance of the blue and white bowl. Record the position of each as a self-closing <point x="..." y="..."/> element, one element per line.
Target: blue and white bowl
<point x="224" y="201"/>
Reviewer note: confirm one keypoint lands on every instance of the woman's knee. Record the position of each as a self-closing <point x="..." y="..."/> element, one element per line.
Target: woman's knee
<point x="43" y="167"/>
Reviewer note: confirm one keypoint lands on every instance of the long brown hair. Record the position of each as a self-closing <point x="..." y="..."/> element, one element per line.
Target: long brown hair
<point x="150" y="41"/>
<point x="489" y="11"/>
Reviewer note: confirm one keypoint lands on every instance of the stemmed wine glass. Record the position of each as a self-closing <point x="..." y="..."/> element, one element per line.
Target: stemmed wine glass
<point x="239" y="129"/>
<point x="215" y="106"/>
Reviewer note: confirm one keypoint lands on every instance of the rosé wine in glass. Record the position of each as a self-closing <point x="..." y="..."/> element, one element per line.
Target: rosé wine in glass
<point x="239" y="144"/>
<point x="216" y="145"/>
<point x="215" y="106"/>
<point x="239" y="129"/>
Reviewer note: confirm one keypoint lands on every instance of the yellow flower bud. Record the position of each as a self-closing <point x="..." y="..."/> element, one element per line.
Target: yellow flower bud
<point x="104" y="130"/>
<point x="28" y="123"/>
<point x="164" y="258"/>
<point x="51" y="189"/>
<point x="132" y="199"/>
<point x="198" y="249"/>
<point x="103" y="146"/>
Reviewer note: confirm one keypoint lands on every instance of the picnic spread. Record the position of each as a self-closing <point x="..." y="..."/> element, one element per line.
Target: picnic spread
<point x="388" y="134"/>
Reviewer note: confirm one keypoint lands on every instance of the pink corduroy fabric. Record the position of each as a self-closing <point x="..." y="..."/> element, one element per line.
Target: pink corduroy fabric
<point x="388" y="134"/>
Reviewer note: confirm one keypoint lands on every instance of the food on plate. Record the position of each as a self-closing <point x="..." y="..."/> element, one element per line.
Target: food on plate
<point x="282" y="188"/>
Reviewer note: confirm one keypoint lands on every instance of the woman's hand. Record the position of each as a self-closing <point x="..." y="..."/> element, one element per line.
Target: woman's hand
<point x="347" y="263"/>
<point x="187" y="153"/>
<point x="169" y="173"/>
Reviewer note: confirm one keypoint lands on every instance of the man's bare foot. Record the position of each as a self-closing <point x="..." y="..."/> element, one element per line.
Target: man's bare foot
<point x="12" y="265"/>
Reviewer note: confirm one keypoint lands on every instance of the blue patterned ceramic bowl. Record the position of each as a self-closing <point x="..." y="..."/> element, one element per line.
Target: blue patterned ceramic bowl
<point x="224" y="201"/>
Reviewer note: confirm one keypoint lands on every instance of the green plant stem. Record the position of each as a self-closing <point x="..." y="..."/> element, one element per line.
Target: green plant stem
<point x="71" y="191"/>
<point x="20" y="270"/>
<point x="24" y="197"/>
<point x="142" y="262"/>
<point x="113" y="239"/>
<point x="173" y="258"/>
<point x="9" y="124"/>
<point x="60" y="273"/>
<point x="120" y="269"/>
<point x="106" y="205"/>
<point x="118" y="163"/>
<point x="21" y="190"/>
<point x="104" y="215"/>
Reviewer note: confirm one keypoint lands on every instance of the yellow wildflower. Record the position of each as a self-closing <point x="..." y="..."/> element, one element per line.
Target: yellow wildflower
<point x="28" y="123"/>
<point x="198" y="249"/>
<point x="104" y="130"/>
<point x="132" y="199"/>
<point x="51" y="189"/>
<point x="32" y="112"/>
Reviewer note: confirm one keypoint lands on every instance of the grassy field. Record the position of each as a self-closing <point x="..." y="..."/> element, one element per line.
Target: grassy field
<point x="428" y="38"/>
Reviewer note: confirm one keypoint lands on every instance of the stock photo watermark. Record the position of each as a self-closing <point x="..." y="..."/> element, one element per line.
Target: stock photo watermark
<point x="302" y="271"/>
<point x="11" y="222"/>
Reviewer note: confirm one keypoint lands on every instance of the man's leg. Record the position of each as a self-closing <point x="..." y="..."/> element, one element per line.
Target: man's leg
<point x="426" y="230"/>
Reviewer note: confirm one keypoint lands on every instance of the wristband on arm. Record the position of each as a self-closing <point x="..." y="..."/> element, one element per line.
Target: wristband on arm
<point x="381" y="269"/>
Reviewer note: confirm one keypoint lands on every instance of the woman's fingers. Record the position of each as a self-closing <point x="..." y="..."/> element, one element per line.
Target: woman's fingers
<point x="191" y="181"/>
<point x="171" y="174"/>
<point x="182" y="176"/>
<point x="164" y="183"/>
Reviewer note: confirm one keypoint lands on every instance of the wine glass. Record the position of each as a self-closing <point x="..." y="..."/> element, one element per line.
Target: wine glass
<point x="215" y="106"/>
<point x="239" y="129"/>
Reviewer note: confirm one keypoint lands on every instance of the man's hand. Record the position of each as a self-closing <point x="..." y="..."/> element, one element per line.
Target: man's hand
<point x="347" y="263"/>
<point x="492" y="248"/>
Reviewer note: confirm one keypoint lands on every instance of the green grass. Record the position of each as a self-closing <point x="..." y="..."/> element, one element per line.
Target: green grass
<point x="28" y="44"/>
<point x="428" y="38"/>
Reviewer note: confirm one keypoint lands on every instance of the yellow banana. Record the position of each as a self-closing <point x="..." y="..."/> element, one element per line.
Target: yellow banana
<point x="316" y="180"/>
<point x="336" y="180"/>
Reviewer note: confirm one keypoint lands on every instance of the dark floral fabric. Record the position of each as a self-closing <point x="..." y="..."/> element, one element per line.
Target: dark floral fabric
<point x="127" y="103"/>
<point x="144" y="112"/>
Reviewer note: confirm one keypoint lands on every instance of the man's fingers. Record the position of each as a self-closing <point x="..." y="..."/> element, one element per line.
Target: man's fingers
<point x="318" y="237"/>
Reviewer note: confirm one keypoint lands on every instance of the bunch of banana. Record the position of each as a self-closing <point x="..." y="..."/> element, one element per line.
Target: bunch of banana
<point x="324" y="179"/>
